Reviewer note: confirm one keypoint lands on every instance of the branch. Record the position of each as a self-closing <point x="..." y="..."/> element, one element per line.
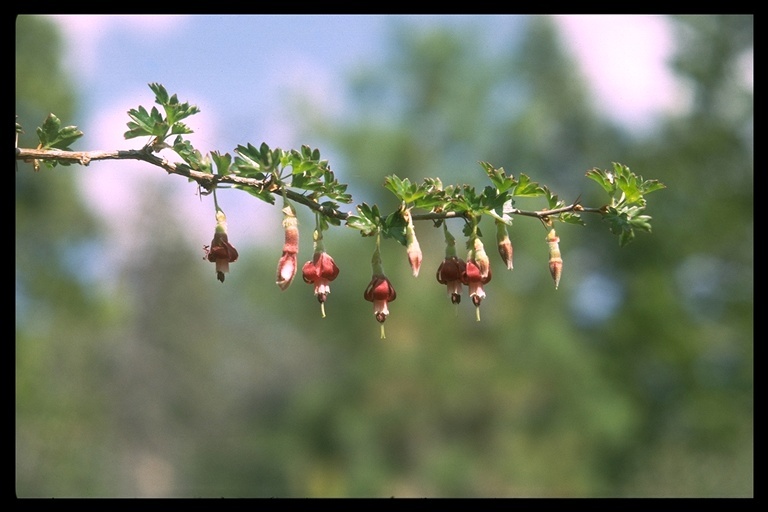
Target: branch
<point x="209" y="181"/>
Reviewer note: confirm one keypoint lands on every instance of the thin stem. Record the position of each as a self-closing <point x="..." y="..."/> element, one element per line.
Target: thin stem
<point x="450" y="242"/>
<point x="215" y="201"/>
<point x="377" y="268"/>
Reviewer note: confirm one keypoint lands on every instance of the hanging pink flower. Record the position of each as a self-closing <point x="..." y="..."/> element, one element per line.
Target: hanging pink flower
<point x="320" y="272"/>
<point x="221" y="251"/>
<point x="450" y="274"/>
<point x="472" y="277"/>
<point x="380" y="291"/>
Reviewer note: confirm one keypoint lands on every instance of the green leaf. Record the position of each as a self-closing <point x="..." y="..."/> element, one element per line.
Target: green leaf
<point x="527" y="188"/>
<point x="325" y="221"/>
<point x="180" y="128"/>
<point x="623" y="222"/>
<point x="467" y="232"/>
<point x="493" y="199"/>
<point x="174" y="110"/>
<point x="146" y="123"/>
<point x="394" y="185"/>
<point x="253" y="160"/>
<point x="603" y="178"/>
<point x="623" y="186"/>
<point x="429" y="201"/>
<point x="571" y="218"/>
<point x="367" y="222"/>
<point x="552" y="200"/>
<point x="161" y="95"/>
<point x="53" y="136"/>
<point x="222" y="162"/>
<point x="265" y="153"/>
<point x="261" y="193"/>
<point x="249" y="152"/>
<point x="498" y="177"/>
<point x="394" y="227"/>
<point x="190" y="155"/>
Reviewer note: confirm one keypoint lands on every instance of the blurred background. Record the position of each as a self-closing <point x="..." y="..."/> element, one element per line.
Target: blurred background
<point x="139" y="374"/>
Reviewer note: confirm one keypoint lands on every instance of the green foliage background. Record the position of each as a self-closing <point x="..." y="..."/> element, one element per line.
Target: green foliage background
<point x="635" y="378"/>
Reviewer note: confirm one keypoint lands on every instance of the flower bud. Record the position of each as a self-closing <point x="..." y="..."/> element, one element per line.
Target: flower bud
<point x="412" y="245"/>
<point x="480" y="257"/>
<point x="504" y="244"/>
<point x="555" y="260"/>
<point x="286" y="267"/>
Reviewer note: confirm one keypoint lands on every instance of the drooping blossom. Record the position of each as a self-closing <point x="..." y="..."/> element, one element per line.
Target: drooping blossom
<point x="221" y="251"/>
<point x="477" y="273"/>
<point x="473" y="278"/>
<point x="320" y="272"/>
<point x="450" y="274"/>
<point x="286" y="267"/>
<point x="451" y="268"/>
<point x="380" y="291"/>
<point x="555" y="259"/>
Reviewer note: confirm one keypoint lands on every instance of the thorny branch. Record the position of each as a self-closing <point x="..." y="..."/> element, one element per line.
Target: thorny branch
<point x="209" y="181"/>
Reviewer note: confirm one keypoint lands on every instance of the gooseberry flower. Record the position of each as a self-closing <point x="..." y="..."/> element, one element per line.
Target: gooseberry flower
<point x="286" y="267"/>
<point x="320" y="272"/>
<point x="504" y="244"/>
<point x="473" y="277"/>
<point x="477" y="273"/>
<point x="221" y="251"/>
<point x="555" y="259"/>
<point x="450" y="274"/>
<point x="380" y="291"/>
<point x="451" y="268"/>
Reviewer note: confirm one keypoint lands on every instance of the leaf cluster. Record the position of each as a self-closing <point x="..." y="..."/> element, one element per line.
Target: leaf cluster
<point x="153" y="124"/>
<point x="495" y="200"/>
<point x="53" y="136"/>
<point x="626" y="190"/>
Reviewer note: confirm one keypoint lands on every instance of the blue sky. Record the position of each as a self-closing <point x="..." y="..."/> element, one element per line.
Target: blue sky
<point x="239" y="70"/>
